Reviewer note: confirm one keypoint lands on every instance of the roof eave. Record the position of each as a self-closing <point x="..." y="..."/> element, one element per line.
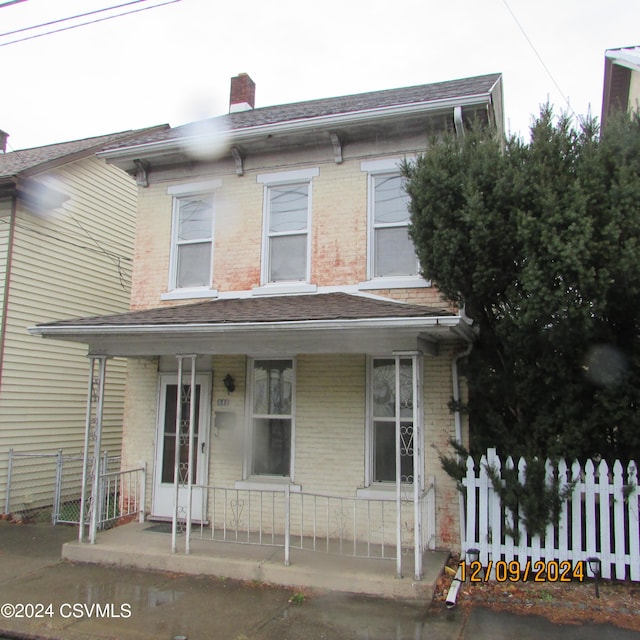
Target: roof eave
<point x="164" y="147"/>
<point x="69" y="330"/>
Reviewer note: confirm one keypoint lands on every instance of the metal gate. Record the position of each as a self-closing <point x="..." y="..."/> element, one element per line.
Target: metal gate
<point x="43" y="483"/>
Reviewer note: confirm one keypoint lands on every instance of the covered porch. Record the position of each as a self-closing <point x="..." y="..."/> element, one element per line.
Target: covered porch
<point x="330" y="385"/>
<point x="145" y="546"/>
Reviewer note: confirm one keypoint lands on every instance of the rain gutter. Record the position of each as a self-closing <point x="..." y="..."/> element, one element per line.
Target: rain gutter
<point x="291" y="126"/>
<point x="453" y="322"/>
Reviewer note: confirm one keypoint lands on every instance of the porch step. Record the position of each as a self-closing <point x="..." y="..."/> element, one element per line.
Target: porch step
<point x="133" y="545"/>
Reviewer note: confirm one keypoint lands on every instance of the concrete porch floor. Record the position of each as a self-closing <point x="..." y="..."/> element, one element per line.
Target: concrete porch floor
<point x="138" y="545"/>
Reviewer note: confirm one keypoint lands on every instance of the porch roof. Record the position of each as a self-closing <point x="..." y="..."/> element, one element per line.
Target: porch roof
<point x="310" y="323"/>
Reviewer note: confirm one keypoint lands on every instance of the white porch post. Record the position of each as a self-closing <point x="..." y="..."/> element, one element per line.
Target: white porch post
<point x="398" y="474"/>
<point x="85" y="461"/>
<point x="176" y="459"/>
<point x="418" y="464"/>
<point x="97" y="395"/>
<point x="193" y="396"/>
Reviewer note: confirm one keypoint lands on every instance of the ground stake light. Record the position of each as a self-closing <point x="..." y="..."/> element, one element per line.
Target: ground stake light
<point x="595" y="565"/>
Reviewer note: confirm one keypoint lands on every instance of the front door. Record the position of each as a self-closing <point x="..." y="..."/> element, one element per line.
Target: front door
<point x="163" y="484"/>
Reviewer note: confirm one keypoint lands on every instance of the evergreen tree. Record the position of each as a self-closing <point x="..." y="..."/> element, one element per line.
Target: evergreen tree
<point x="539" y="242"/>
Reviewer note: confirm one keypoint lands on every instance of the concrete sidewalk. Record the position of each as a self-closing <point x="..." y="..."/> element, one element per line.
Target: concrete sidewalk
<point x="93" y="602"/>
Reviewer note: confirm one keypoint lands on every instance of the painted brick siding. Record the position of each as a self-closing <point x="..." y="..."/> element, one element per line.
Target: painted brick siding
<point x="227" y="443"/>
<point x="330" y="424"/>
<point x="338" y="233"/>
<point x="140" y="417"/>
<point x="439" y="428"/>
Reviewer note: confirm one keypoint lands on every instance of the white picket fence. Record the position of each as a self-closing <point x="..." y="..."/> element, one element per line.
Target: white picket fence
<point x="599" y="518"/>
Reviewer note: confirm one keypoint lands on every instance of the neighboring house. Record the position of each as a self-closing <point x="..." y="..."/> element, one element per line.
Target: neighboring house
<point x="67" y="226"/>
<point x="273" y="270"/>
<point x="621" y="91"/>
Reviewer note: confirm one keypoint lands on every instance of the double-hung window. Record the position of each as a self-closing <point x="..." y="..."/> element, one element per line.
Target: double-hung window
<point x="272" y="417"/>
<point x="391" y="253"/>
<point x="287" y="222"/>
<point x="192" y="236"/>
<point x="393" y="416"/>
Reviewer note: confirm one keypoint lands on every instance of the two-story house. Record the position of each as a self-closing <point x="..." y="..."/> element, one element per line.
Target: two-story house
<point x="67" y="227"/>
<point x="281" y="340"/>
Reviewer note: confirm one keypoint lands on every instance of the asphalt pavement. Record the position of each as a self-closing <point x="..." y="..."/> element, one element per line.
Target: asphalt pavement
<point x="43" y="597"/>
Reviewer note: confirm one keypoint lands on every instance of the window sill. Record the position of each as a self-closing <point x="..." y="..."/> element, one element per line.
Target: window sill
<point x="284" y="288"/>
<point x="187" y="294"/>
<point x="268" y="483"/>
<point x="408" y="282"/>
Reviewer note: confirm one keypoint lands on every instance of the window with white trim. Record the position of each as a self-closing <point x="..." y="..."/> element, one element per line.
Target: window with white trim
<point x="391" y="250"/>
<point x="287" y="229"/>
<point x="391" y="408"/>
<point x="192" y="236"/>
<point x="287" y="224"/>
<point x="271" y="417"/>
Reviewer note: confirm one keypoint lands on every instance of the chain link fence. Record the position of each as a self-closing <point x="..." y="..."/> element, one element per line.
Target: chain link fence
<point x="48" y="486"/>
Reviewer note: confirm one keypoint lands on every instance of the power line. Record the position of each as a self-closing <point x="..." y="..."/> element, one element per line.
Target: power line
<point x="524" y="33"/>
<point x="80" y="15"/>
<point x="83" y="24"/>
<point x="10" y="2"/>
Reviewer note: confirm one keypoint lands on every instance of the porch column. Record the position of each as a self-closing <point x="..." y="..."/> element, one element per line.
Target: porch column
<point x="398" y="473"/>
<point x="179" y="467"/>
<point x="176" y="459"/>
<point x="418" y="464"/>
<point x="93" y="431"/>
<point x="193" y="396"/>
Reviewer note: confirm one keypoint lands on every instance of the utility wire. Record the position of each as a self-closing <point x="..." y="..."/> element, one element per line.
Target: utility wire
<point x="83" y="24"/>
<point x="524" y="33"/>
<point x="10" y="2"/>
<point x="80" y="15"/>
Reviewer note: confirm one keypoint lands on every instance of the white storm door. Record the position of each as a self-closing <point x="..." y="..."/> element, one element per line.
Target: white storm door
<point x="163" y="477"/>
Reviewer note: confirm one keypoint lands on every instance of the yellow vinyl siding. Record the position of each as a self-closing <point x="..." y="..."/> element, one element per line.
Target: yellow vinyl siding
<point x="71" y="262"/>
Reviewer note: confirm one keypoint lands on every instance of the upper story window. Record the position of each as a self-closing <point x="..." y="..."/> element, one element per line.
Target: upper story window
<point x="287" y="224"/>
<point x="391" y="254"/>
<point x="192" y="236"/>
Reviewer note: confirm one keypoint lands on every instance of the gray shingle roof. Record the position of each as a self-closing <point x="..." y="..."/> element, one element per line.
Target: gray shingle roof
<point x="28" y="160"/>
<point x="301" y="111"/>
<point x="290" y="308"/>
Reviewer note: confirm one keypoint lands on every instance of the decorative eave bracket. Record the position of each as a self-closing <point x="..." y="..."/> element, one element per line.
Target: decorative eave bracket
<point x="238" y="158"/>
<point x="337" y="147"/>
<point x="141" y="172"/>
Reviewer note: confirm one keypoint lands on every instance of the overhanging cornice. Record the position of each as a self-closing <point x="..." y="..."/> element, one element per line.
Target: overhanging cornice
<point x="123" y="156"/>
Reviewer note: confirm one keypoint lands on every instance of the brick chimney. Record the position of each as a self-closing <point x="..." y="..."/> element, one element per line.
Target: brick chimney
<point x="3" y="141"/>
<point x="243" y="93"/>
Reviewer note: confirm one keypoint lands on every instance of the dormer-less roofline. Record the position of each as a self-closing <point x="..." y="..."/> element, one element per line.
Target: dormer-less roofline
<point x="248" y="133"/>
<point x="124" y="156"/>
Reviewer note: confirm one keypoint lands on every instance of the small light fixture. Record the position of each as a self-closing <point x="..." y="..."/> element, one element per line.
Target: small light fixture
<point x="474" y="555"/>
<point x="596" y="566"/>
<point x="229" y="383"/>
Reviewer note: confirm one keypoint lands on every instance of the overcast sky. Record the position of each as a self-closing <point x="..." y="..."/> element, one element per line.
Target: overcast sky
<point x="172" y="64"/>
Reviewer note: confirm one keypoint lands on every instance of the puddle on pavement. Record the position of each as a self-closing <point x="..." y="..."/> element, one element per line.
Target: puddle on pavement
<point x="138" y="596"/>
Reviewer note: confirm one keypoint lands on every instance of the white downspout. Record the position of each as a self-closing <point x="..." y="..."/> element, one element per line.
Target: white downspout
<point x="457" y="121"/>
<point x="456" y="414"/>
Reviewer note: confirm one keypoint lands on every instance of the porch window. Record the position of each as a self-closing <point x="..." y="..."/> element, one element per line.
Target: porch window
<point x="391" y="402"/>
<point x="272" y="417"/>
<point x="192" y="250"/>
<point x="392" y="253"/>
